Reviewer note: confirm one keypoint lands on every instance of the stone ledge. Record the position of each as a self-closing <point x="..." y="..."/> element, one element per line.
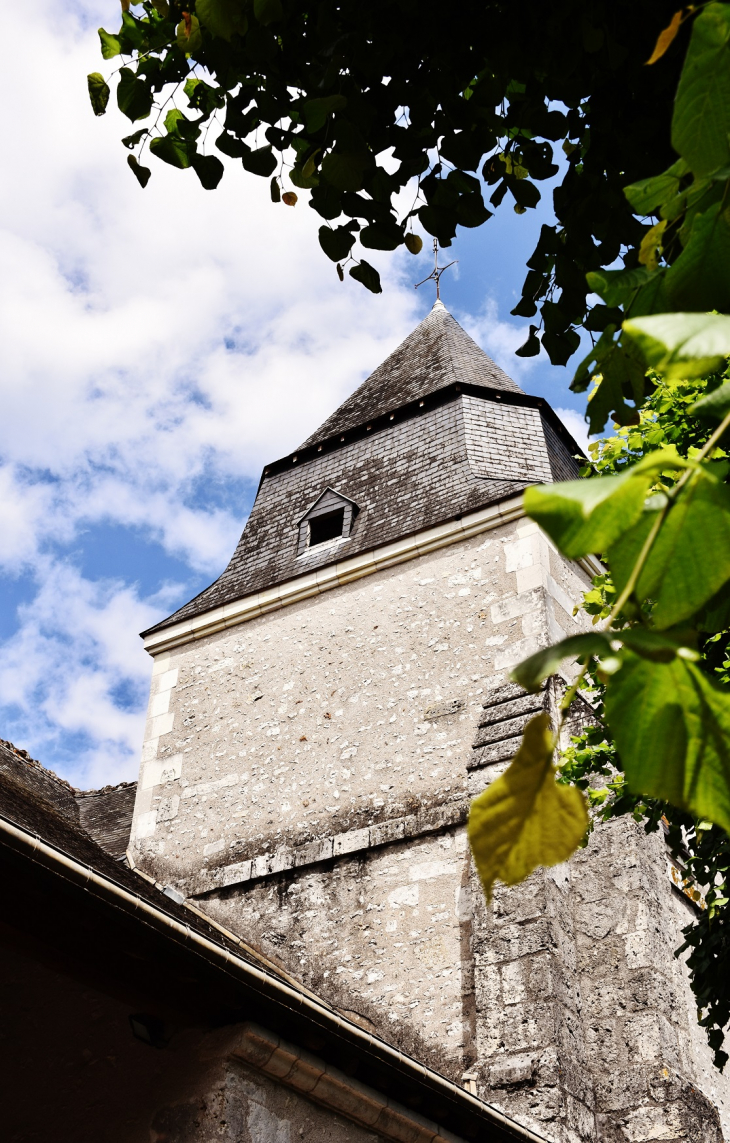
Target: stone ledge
<point x="507" y="710"/>
<point x="312" y="1077"/>
<point x="334" y="575"/>
<point x="340" y="845"/>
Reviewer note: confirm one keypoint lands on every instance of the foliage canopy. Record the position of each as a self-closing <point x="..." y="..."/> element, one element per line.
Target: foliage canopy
<point x="388" y="112"/>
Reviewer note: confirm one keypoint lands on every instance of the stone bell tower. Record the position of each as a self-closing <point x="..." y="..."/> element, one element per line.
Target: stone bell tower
<point x="321" y="716"/>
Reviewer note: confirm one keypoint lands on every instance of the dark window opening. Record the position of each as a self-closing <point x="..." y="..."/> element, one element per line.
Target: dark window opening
<point x="328" y="526"/>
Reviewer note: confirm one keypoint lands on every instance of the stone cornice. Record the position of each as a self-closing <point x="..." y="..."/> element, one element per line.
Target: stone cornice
<point x="334" y="575"/>
<point x="346" y="571"/>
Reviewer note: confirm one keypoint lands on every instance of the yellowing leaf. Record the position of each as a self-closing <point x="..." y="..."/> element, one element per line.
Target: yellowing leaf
<point x="289" y="198"/>
<point x="189" y="37"/>
<point x="651" y="245"/>
<point x="666" y="37"/>
<point x="525" y="819"/>
<point x="414" y="243"/>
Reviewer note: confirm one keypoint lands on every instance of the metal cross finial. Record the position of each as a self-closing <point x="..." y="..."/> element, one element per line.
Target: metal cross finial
<point x="437" y="271"/>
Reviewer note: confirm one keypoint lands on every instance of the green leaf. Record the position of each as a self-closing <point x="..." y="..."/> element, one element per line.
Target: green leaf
<point x="275" y="190"/>
<point x="346" y="170"/>
<point x="656" y="645"/>
<point x="413" y="243"/>
<point x="622" y="374"/>
<point x="316" y="111"/>
<point x="110" y="46"/>
<point x="689" y="560"/>
<point x="172" y="150"/>
<point x="532" y="672"/>
<point x="98" y="92"/>
<point x="588" y="516"/>
<point x="223" y="18"/>
<point x="617" y="287"/>
<point x="671" y="726"/>
<point x="209" y="170"/>
<point x="142" y="174"/>
<point x="524" y="818"/>
<point x="531" y="347"/>
<point x="368" y="276"/>
<point x="701" y="121"/>
<point x="382" y="236"/>
<point x="134" y="96"/>
<point x="682" y="345"/>
<point x="699" y="279"/>
<point x="336" y="243"/>
<point x="131" y="141"/>
<point x="471" y="211"/>
<point x="646" y="196"/>
<point x="299" y="179"/>
<point x="716" y="405"/>
<point x="260" y="162"/>
<point x="266" y="11"/>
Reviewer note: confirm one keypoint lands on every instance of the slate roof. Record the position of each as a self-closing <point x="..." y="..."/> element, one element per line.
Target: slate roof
<point x="436" y="432"/>
<point x="438" y="353"/>
<point x="74" y="912"/>
<point x="44" y="805"/>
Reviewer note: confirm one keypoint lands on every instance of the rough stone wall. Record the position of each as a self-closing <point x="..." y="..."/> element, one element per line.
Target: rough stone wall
<point x="530" y="1043"/>
<point x="305" y="775"/>
<point x="242" y="1106"/>
<point x="305" y="778"/>
<point x="383" y="935"/>
<point x="585" y="1027"/>
<point x="323" y="718"/>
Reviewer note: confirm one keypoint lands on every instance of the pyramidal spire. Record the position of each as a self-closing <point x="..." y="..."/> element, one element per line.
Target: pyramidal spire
<point x="436" y="354"/>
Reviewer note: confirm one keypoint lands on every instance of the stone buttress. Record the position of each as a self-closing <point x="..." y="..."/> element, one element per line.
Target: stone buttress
<point x="321" y="716"/>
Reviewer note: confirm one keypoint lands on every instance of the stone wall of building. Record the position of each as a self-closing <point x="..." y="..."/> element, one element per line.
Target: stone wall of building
<point x="306" y="779"/>
<point x="333" y="714"/>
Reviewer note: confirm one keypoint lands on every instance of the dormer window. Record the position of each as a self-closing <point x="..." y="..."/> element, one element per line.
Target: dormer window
<point x="326" y="527"/>
<point x="328" y="522"/>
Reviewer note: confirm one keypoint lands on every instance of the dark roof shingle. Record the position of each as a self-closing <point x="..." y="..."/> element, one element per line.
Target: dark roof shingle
<point x="438" y="353"/>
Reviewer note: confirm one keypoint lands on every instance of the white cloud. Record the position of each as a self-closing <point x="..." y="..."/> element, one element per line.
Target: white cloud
<point x="152" y="343"/>
<point x="500" y="339"/>
<point x="576" y="426"/>
<point x="62" y="675"/>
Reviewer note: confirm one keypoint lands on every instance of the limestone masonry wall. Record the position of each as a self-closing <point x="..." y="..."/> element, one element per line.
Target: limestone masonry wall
<point x="305" y="779"/>
<point x="321" y="718"/>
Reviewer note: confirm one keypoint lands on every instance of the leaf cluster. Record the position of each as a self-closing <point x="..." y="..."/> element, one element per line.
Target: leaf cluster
<point x="356" y="102"/>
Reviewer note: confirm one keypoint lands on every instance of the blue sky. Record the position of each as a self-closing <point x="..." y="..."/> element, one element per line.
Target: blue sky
<point x="157" y="347"/>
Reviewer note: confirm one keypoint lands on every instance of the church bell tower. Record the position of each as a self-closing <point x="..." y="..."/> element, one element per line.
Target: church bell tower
<point x="322" y="715"/>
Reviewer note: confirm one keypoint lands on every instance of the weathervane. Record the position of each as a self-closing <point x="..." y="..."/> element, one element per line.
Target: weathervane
<point x="437" y="271"/>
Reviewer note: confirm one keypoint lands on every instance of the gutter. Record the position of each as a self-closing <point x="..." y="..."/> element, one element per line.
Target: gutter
<point x="68" y="867"/>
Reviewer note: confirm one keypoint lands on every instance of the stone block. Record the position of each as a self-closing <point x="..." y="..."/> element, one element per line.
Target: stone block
<point x="503" y="693"/>
<point x="526" y="705"/>
<point x="350" y="842"/>
<point x="280" y="861"/>
<point x="235" y="874"/>
<point x="494" y="753"/>
<point x="313" y="851"/>
<point x="512" y="1070"/>
<point x="385" y="832"/>
<point x="498" y="731"/>
<point x="144" y="825"/>
<point x="159" y="771"/>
